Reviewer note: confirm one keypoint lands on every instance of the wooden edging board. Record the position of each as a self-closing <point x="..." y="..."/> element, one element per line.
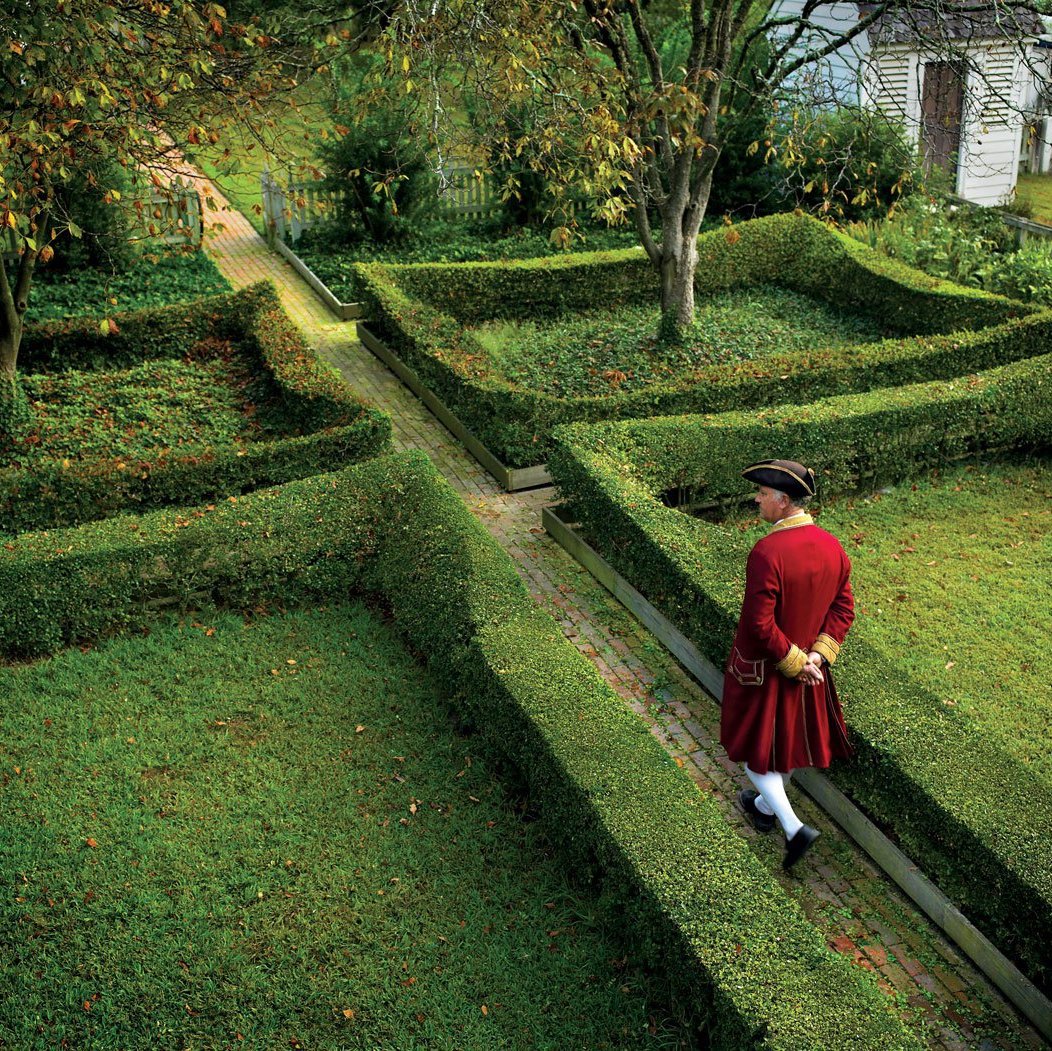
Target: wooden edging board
<point x="1027" y="998"/>
<point x="344" y="311"/>
<point x="510" y="478"/>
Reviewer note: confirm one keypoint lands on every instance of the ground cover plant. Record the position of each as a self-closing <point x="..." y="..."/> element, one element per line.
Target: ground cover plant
<point x="748" y="966"/>
<point x="834" y="299"/>
<point x="923" y="768"/>
<point x="174" y="405"/>
<point x="271" y="833"/>
<point x="947" y="570"/>
<point x="157" y="279"/>
<point x="595" y="353"/>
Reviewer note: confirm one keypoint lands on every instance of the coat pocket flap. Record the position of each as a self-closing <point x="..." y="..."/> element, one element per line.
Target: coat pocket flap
<point x="747" y="672"/>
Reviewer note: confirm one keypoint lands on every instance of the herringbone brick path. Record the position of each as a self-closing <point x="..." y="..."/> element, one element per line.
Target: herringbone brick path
<point x="859" y="911"/>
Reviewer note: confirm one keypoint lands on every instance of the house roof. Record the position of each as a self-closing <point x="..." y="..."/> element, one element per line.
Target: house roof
<point x="955" y="20"/>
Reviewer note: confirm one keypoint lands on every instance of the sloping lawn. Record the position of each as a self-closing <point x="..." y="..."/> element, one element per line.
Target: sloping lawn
<point x="263" y="833"/>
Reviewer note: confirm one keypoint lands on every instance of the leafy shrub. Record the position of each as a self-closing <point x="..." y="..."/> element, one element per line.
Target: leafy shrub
<point x="422" y="313"/>
<point x="847" y="163"/>
<point x="378" y="167"/>
<point x="104" y="231"/>
<point x="325" y="251"/>
<point x="311" y="418"/>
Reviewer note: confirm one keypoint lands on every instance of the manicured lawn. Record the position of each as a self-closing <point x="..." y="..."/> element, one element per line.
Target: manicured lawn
<point x="160" y="278"/>
<point x="1037" y="189"/>
<point x="952" y="577"/>
<point x="140" y="412"/>
<point x="600" y="352"/>
<point x="264" y="833"/>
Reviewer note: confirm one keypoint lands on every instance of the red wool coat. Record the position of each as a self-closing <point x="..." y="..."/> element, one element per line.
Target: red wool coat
<point x="797" y="598"/>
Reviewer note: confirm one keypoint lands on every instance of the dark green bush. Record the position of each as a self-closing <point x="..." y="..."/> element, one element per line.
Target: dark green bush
<point x="379" y="168"/>
<point x="969" y="814"/>
<point x="702" y="907"/>
<point x="335" y="425"/>
<point x="420" y="313"/>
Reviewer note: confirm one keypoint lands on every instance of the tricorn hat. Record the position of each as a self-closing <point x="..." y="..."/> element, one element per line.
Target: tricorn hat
<point x="787" y="476"/>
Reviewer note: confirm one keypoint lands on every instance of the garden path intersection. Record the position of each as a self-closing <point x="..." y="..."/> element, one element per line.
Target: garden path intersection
<point x="858" y="910"/>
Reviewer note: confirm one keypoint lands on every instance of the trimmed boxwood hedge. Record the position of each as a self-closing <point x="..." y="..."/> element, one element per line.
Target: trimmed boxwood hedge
<point x="335" y="425"/>
<point x="420" y="313"/>
<point x="734" y="944"/>
<point x="973" y="817"/>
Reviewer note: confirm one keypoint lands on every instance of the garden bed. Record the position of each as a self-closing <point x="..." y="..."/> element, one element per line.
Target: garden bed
<point x="175" y="405"/>
<point x="275" y="836"/>
<point x="790" y="310"/>
<point x="159" y="278"/>
<point x="747" y="964"/>
<point x="923" y="769"/>
<point x="329" y="265"/>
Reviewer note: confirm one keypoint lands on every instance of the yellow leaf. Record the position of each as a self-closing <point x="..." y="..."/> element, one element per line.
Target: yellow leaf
<point x="104" y="326"/>
<point x="405" y="63"/>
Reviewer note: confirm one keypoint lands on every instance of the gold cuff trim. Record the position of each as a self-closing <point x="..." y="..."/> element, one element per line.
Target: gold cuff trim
<point x="827" y="646"/>
<point x="793" y="662"/>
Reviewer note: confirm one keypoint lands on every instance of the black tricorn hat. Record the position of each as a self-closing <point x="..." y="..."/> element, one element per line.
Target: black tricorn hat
<point x="787" y="476"/>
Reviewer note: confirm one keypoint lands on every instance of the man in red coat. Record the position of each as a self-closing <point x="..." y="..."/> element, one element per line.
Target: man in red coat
<point x="780" y="710"/>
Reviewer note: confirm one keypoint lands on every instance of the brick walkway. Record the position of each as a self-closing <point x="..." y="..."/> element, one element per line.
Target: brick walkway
<point x="860" y="912"/>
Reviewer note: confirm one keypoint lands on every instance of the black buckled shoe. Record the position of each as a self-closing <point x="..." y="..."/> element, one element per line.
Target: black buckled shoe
<point x="747" y="801"/>
<point x="799" y="845"/>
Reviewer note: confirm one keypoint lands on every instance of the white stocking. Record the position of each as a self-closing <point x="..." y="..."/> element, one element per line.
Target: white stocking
<point x="771" y="787"/>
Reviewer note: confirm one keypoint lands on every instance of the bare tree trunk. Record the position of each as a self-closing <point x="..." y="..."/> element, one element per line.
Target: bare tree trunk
<point x="14" y="301"/>
<point x="679" y="261"/>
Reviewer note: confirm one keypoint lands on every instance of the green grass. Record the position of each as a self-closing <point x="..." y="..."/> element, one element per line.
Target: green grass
<point x="266" y="829"/>
<point x="136" y="413"/>
<point x="234" y="164"/>
<point x="1037" y="191"/>
<point x="158" y="279"/>
<point x="952" y="577"/>
<point x="596" y="353"/>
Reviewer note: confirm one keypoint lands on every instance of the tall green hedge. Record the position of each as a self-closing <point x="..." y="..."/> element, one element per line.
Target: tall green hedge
<point x="421" y="312"/>
<point x="734" y="945"/>
<point x="334" y="425"/>
<point x="971" y="815"/>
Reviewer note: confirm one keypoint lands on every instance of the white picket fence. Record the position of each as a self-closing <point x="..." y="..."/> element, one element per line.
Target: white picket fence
<point x="291" y="208"/>
<point x="175" y="212"/>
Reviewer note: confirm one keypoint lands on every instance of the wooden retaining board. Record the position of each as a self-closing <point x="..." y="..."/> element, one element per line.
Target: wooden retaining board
<point x="511" y="479"/>
<point x="1026" y="997"/>
<point x="344" y="311"/>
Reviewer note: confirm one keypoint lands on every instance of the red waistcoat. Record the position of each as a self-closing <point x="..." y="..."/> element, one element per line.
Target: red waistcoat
<point x="797" y="594"/>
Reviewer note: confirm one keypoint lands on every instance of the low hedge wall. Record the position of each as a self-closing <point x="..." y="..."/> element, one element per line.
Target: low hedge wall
<point x="735" y="946"/>
<point x="336" y="426"/>
<point x="973" y="817"/>
<point x="420" y="313"/>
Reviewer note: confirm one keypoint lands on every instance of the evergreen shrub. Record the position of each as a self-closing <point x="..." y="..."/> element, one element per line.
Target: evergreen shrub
<point x="701" y="906"/>
<point x="423" y="314"/>
<point x="973" y="817"/>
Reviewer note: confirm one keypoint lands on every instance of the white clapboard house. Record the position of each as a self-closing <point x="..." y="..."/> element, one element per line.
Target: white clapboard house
<point x="971" y="85"/>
